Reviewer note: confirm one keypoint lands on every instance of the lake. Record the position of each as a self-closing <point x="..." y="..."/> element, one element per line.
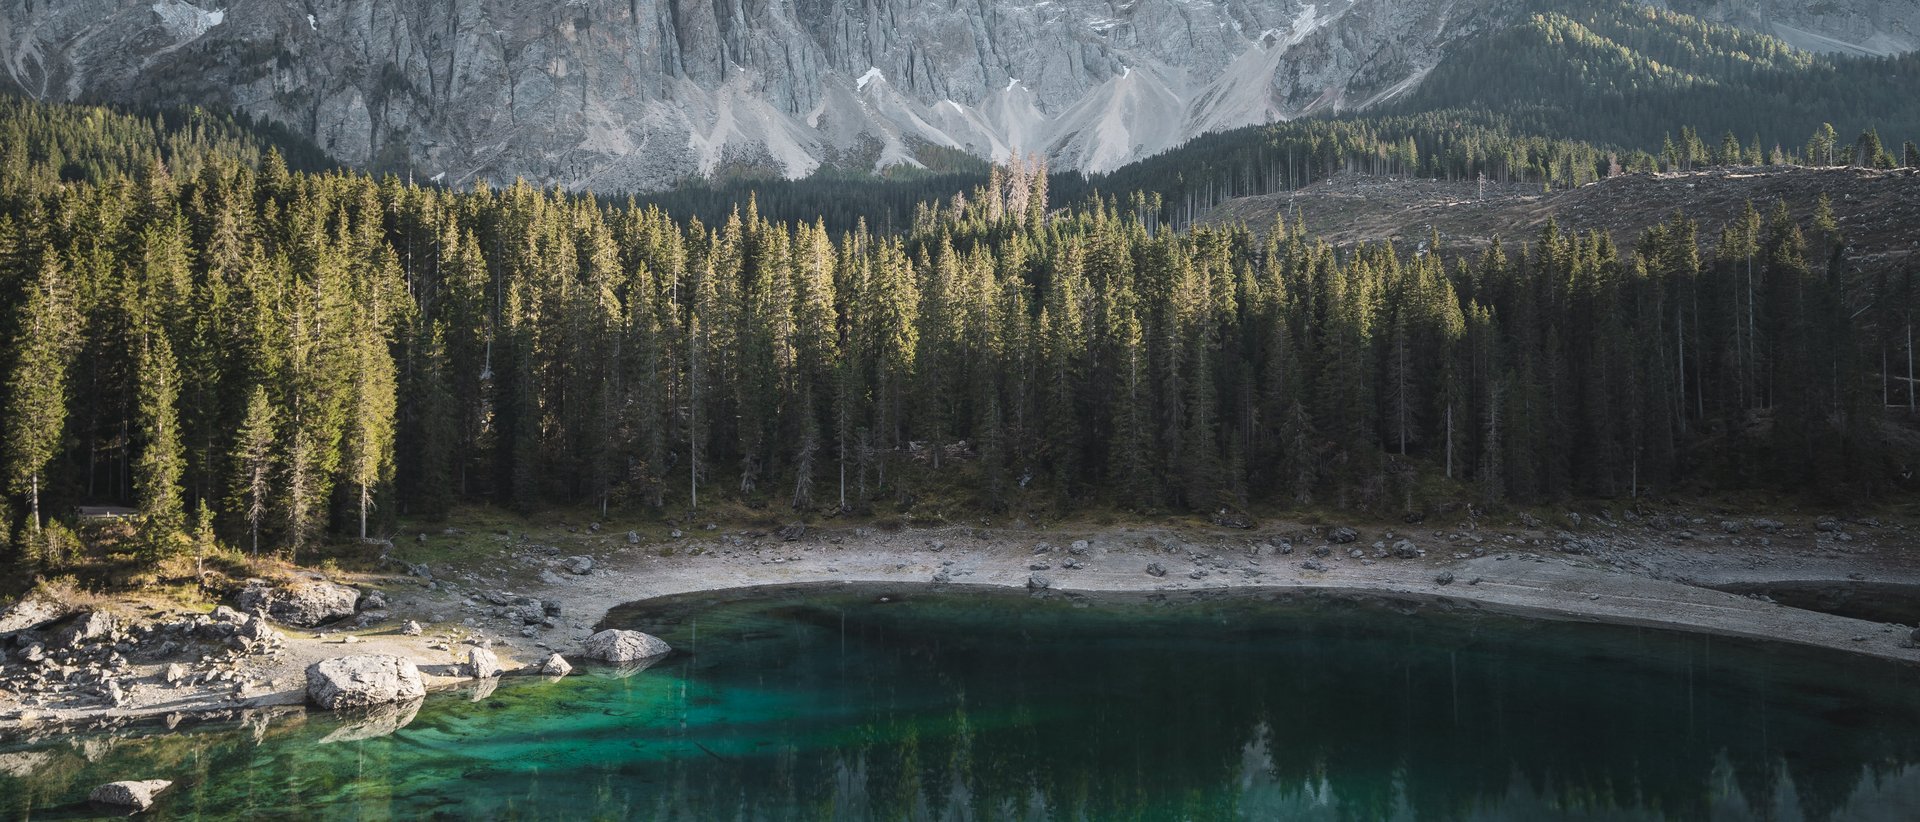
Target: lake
<point x="901" y="702"/>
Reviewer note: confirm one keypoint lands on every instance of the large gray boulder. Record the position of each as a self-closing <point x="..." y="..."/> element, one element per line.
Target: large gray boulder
<point x="481" y="663"/>
<point x="32" y="611"/>
<point x="303" y="603"/>
<point x="619" y="647"/>
<point x="85" y="628"/>
<point x="363" y="681"/>
<point x="137" y="795"/>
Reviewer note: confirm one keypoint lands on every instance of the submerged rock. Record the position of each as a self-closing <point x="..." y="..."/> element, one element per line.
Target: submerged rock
<point x="137" y="794"/>
<point x="362" y="681"/>
<point x="618" y="646"/>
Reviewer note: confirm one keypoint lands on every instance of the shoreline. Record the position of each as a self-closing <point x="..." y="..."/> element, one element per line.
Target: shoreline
<point x="1512" y="574"/>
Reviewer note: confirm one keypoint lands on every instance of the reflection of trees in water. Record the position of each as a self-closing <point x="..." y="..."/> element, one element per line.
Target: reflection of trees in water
<point x="1042" y="712"/>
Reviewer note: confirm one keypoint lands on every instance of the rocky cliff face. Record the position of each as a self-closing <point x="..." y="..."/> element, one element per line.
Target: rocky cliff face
<point x="635" y="94"/>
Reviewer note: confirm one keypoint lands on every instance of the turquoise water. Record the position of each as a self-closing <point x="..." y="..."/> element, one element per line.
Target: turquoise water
<point x="870" y="703"/>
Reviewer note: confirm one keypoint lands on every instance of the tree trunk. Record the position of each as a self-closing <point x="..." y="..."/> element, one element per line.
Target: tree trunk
<point x="36" y="503"/>
<point x="363" y="512"/>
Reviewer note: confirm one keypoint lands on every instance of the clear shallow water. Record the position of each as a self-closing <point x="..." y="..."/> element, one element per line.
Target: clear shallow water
<point x="834" y="704"/>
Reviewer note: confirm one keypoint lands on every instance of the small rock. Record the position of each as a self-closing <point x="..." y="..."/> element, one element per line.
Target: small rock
<point x="481" y="664"/>
<point x="175" y="673"/>
<point x="579" y="566"/>
<point x="1445" y="578"/>
<point x="1078" y="548"/>
<point x="556" y="665"/>
<point x="1322" y="551"/>
<point x="411" y="628"/>
<point x="1037" y="582"/>
<point x="1039" y="566"/>
<point x="1155" y="569"/>
<point x="1313" y="565"/>
<point x="137" y="795"/>
<point x="1405" y="549"/>
<point x="792" y="531"/>
<point x="1342" y="535"/>
<point x="633" y="538"/>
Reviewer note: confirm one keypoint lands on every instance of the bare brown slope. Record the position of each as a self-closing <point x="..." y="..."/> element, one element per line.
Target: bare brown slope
<point x="1878" y="211"/>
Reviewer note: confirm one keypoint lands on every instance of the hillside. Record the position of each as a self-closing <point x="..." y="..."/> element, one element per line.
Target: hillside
<point x="1877" y="210"/>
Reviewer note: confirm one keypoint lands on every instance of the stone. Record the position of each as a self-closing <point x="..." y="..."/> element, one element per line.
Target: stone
<point x="228" y="615"/>
<point x="1445" y="578"/>
<point x="792" y="531"/>
<point x="1038" y="582"/>
<point x="1155" y="569"/>
<point x="1313" y="565"/>
<point x="304" y="603"/>
<point x="620" y="646"/>
<point x="373" y="601"/>
<point x="1040" y="566"/>
<point x="633" y="537"/>
<point x="1322" y="551"/>
<point x="556" y="665"/>
<point x="363" y="681"/>
<point x="1405" y="549"/>
<point x="85" y="628"/>
<point x="579" y="566"/>
<point x="481" y="664"/>
<point x="137" y="794"/>
<point x="1828" y="525"/>
<point x="34" y="610"/>
<point x="1078" y="548"/>
<point x="1342" y="535"/>
<point x="175" y="673"/>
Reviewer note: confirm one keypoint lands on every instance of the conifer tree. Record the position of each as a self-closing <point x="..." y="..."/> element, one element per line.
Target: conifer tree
<point x="36" y="393"/>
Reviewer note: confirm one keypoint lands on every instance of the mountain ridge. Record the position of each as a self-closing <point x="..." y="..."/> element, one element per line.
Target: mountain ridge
<point x="637" y="95"/>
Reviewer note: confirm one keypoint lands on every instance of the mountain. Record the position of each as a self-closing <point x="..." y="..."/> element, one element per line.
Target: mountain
<point x="641" y="94"/>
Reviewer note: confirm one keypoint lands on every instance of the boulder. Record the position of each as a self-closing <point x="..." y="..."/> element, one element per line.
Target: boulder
<point x="362" y="681"/>
<point x="1038" y="582"/>
<point x="228" y="615"/>
<point x="1155" y="569"/>
<point x="1405" y="549"/>
<point x="1445" y="578"/>
<point x="633" y="537"/>
<point x="579" y="565"/>
<point x="32" y="611"/>
<point x="556" y="665"/>
<point x="792" y="531"/>
<point x="175" y="673"/>
<point x="411" y="628"/>
<point x="305" y="603"/>
<point x="87" y="627"/>
<point x="137" y="795"/>
<point x="481" y="664"/>
<point x="618" y="646"/>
